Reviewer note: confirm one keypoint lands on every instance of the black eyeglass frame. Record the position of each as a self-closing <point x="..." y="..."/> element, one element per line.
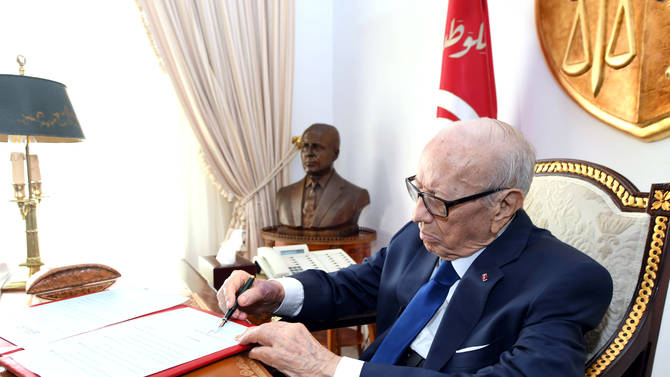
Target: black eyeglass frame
<point x="415" y="194"/>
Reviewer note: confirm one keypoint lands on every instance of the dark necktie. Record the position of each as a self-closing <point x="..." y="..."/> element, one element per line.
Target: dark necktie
<point x="309" y="206"/>
<point x="420" y="310"/>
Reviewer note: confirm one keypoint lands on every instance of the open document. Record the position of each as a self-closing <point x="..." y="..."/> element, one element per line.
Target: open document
<point x="32" y="326"/>
<point x="4" y="274"/>
<point x="139" y="347"/>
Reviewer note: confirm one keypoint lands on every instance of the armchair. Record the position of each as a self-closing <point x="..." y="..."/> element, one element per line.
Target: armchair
<point x="600" y="212"/>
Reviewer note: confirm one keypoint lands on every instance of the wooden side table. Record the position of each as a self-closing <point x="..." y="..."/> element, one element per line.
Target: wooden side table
<point x="358" y="248"/>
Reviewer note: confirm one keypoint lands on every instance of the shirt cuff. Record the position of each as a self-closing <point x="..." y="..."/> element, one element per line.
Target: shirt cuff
<point x="294" y="295"/>
<point x="348" y="367"/>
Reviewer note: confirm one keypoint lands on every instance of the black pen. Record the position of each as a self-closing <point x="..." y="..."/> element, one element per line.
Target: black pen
<point x="230" y="311"/>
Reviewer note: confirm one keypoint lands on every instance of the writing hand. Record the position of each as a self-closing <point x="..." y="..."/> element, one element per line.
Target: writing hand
<point x="263" y="297"/>
<point x="290" y="348"/>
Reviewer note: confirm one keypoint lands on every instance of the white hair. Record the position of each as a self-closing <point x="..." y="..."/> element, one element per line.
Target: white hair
<point x="515" y="166"/>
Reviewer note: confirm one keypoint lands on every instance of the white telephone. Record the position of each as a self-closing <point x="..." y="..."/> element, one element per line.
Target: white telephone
<point x="280" y="261"/>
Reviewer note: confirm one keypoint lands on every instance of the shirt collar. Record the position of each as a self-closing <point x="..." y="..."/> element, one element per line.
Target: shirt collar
<point x="461" y="265"/>
<point x="322" y="180"/>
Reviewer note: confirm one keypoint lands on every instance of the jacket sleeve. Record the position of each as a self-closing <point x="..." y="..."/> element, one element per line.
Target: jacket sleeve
<point x="349" y="291"/>
<point x="352" y="290"/>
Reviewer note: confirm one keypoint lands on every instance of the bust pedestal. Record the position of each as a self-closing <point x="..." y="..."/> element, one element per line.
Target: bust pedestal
<point x="356" y="245"/>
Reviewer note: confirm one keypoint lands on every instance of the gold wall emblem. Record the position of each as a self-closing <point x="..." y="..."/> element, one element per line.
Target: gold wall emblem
<point x="613" y="58"/>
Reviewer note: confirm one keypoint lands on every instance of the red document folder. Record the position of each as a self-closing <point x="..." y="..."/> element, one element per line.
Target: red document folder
<point x="10" y="364"/>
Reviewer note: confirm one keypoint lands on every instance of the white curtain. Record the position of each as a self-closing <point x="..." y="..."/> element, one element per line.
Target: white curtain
<point x="231" y="64"/>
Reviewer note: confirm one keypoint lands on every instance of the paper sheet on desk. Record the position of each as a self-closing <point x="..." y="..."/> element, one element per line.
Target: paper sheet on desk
<point x="41" y="324"/>
<point x="4" y="274"/>
<point x="139" y="347"/>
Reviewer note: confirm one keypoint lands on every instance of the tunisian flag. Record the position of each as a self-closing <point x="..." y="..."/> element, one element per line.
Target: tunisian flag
<point x="467" y="85"/>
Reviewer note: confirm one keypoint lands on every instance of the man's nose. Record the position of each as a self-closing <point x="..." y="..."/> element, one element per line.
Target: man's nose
<point x="420" y="213"/>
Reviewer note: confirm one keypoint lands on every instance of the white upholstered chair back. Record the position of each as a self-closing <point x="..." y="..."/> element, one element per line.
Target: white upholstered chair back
<point x="600" y="213"/>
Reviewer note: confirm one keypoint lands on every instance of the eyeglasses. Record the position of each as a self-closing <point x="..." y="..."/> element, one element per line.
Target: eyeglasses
<point x="436" y="206"/>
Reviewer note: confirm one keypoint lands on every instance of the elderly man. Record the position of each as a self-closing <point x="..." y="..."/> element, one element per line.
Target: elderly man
<point x="469" y="288"/>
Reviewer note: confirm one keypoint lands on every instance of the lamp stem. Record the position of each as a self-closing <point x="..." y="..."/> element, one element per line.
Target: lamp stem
<point x="33" y="261"/>
<point x="30" y="189"/>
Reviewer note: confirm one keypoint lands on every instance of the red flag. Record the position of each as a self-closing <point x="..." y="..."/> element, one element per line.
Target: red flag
<point x="467" y="85"/>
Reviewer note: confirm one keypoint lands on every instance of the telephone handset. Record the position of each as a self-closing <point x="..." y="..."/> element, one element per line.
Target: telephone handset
<point x="282" y="261"/>
<point x="271" y="263"/>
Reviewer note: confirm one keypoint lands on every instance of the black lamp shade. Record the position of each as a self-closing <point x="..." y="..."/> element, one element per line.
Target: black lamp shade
<point x="36" y="107"/>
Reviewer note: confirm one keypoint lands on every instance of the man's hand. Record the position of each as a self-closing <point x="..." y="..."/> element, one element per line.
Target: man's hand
<point x="291" y="349"/>
<point x="263" y="297"/>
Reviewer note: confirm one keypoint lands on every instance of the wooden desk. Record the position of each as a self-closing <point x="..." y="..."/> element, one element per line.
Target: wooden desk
<point x="203" y="296"/>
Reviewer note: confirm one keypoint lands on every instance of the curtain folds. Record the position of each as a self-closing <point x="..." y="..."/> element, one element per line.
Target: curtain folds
<point x="231" y="64"/>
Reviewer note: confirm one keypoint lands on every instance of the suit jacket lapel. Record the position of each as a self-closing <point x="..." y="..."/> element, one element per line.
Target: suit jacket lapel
<point x="416" y="274"/>
<point x="467" y="304"/>
<point x="329" y="197"/>
<point x="463" y="313"/>
<point x="296" y="202"/>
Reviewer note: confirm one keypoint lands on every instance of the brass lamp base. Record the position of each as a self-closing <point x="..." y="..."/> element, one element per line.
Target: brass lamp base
<point x="33" y="264"/>
<point x="18" y="280"/>
<point x="14" y="286"/>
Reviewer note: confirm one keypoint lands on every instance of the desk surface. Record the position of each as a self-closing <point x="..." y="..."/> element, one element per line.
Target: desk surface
<point x="203" y="296"/>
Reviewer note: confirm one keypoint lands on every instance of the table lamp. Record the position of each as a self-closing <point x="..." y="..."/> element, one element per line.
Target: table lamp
<point x="33" y="110"/>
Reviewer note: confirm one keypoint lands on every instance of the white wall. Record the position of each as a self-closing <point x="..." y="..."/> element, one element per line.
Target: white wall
<point x="115" y="198"/>
<point x="386" y="62"/>
<point x="386" y="69"/>
<point x="313" y="69"/>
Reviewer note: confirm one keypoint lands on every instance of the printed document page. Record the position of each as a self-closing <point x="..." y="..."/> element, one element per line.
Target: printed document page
<point x="4" y="274"/>
<point x="41" y="324"/>
<point x="139" y="347"/>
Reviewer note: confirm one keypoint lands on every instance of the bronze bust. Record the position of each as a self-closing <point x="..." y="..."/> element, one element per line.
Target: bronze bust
<point x="322" y="202"/>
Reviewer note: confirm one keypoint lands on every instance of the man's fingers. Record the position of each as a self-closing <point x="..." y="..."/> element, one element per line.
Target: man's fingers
<point x="230" y="287"/>
<point x="282" y="344"/>
<point x="250" y="335"/>
<point x="242" y="316"/>
<point x="233" y="284"/>
<point x="261" y="353"/>
<point x="249" y="297"/>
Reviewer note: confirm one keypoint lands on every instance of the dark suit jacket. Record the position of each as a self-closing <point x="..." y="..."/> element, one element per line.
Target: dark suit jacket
<point x="538" y="299"/>
<point x="340" y="204"/>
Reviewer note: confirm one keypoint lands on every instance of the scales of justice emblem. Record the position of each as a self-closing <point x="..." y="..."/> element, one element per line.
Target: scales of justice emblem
<point x="613" y="58"/>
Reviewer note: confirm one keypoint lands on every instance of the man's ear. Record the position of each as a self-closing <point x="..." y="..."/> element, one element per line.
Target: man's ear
<point x="511" y="201"/>
<point x="337" y="153"/>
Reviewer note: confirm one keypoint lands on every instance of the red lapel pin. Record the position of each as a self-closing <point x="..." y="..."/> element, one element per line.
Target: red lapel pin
<point x="485" y="277"/>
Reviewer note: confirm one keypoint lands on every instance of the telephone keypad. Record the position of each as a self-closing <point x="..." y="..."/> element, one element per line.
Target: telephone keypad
<point x="294" y="269"/>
